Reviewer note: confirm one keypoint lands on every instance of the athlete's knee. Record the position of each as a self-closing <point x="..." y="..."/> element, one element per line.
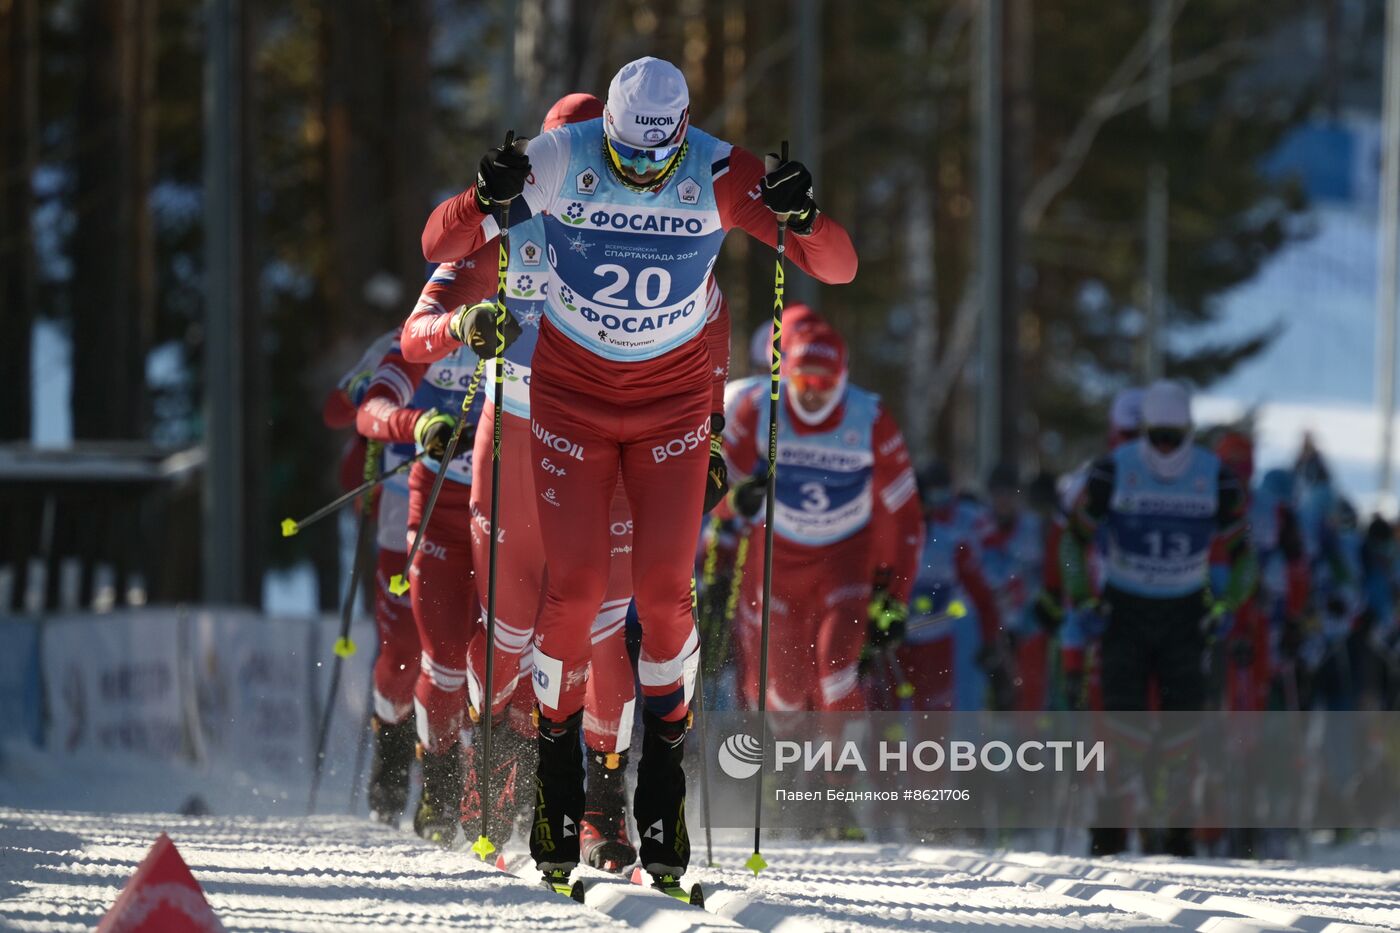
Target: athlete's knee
<point x="667" y="672"/>
<point x="840" y="688"/>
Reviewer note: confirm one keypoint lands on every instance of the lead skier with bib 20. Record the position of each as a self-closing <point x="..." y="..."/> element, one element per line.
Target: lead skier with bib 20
<point x="635" y="206"/>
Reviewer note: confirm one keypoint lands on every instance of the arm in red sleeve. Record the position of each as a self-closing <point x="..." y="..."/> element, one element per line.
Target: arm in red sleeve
<point x="337" y="411"/>
<point x="826" y="253"/>
<point x="900" y="524"/>
<point x="740" y="436"/>
<point x="975" y="585"/>
<point x="717" y="338"/>
<point x="385" y="414"/>
<point x="456" y="228"/>
<point x="465" y="282"/>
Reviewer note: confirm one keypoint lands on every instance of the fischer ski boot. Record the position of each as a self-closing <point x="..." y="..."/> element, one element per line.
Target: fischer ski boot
<point x="512" y="773"/>
<point x="658" y="804"/>
<point x="554" y="842"/>
<point x="394" y="744"/>
<point x="439" y="810"/>
<point x="603" y="833"/>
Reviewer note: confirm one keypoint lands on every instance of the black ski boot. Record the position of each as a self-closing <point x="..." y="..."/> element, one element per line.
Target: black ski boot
<point x="388" y="769"/>
<point x="603" y="832"/>
<point x="658" y="804"/>
<point x="558" y="799"/>
<point x="440" y="809"/>
<point x="512" y="780"/>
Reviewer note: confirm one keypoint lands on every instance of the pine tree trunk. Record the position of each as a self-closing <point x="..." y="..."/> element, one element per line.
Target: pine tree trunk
<point x="19" y="90"/>
<point x="113" y="249"/>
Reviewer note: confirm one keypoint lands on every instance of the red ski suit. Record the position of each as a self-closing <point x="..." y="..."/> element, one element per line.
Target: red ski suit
<point x="617" y="415"/>
<point x="821" y="591"/>
<point x="396" y="664"/>
<point x="522" y="572"/>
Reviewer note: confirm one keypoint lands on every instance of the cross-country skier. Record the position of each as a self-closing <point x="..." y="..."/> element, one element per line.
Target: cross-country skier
<point x="954" y="631"/>
<point x="1078" y="649"/>
<point x="846" y="523"/>
<point x="635" y="208"/>
<point x="1161" y="501"/>
<point x="521" y="570"/>
<point x="396" y="662"/>
<point x="1013" y="562"/>
<point x="414" y="405"/>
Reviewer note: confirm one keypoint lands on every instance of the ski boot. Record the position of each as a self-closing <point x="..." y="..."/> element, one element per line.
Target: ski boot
<point x="512" y="772"/>
<point x="603" y="833"/>
<point x="439" y="810"/>
<point x="658" y="805"/>
<point x="558" y="800"/>
<point x="388" y="770"/>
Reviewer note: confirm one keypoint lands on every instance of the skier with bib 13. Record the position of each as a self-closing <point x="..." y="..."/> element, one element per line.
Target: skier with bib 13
<point x="635" y="206"/>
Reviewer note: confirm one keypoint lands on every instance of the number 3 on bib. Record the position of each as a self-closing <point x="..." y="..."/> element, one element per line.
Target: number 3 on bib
<point x="652" y="288"/>
<point x="814" y="497"/>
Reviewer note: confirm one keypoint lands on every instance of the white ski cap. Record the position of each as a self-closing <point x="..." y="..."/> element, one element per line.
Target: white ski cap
<point x="648" y="104"/>
<point x="1126" y="411"/>
<point x="761" y="346"/>
<point x="1166" y="404"/>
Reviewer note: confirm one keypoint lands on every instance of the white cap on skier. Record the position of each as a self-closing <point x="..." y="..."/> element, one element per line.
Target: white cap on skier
<point x="648" y="104"/>
<point x="1166" y="419"/>
<point x="1126" y="413"/>
<point x="761" y="347"/>
<point x="1166" y="404"/>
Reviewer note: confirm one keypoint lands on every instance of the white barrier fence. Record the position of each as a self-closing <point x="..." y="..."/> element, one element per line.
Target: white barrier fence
<point x="207" y="686"/>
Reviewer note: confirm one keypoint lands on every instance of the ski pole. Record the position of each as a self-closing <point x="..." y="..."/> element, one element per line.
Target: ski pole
<point x="344" y="647"/>
<point x="756" y="863"/>
<point x="398" y="583"/>
<point x="483" y="847"/>
<point x="291" y="526"/>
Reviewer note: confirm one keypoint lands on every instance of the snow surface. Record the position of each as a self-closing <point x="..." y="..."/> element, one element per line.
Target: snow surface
<point x="74" y="827"/>
<point x="61" y="870"/>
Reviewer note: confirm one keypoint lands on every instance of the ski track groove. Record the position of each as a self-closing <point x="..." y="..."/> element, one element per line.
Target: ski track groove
<point x="1181" y="897"/>
<point x="60" y="871"/>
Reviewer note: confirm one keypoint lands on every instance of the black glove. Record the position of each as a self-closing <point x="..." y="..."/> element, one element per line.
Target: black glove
<point x="475" y="326"/>
<point x="717" y="479"/>
<point x="787" y="191"/>
<point x="748" y="496"/>
<point x="501" y="175"/>
<point x="888" y="619"/>
<point x="433" y="431"/>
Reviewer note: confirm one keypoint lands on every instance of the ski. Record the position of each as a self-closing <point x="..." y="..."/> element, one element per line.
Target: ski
<point x="558" y="882"/>
<point x="671" y="886"/>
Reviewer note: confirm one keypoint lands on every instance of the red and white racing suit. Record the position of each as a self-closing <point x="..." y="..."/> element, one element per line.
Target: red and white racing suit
<point x="822" y="578"/>
<point x="626" y="390"/>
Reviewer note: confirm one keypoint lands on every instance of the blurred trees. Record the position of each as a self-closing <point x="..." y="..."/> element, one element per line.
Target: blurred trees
<point x="19" y="139"/>
<point x="361" y="113"/>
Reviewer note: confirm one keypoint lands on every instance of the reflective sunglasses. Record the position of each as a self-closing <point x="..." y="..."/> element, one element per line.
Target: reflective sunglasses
<point x="641" y="161"/>
<point x="1165" y="438"/>
<point x="805" y="382"/>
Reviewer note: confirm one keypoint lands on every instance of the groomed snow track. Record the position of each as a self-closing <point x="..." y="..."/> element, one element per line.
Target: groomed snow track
<point x="60" y="871"/>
